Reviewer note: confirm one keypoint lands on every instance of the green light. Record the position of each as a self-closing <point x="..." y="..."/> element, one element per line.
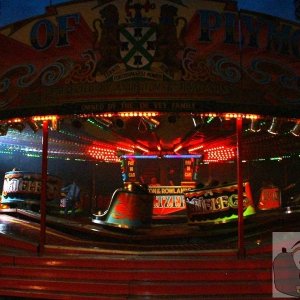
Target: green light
<point x="276" y="158"/>
<point x="6" y="152"/>
<point x="32" y="155"/>
<point x="250" y="210"/>
<point x="96" y="124"/>
<point x="209" y="120"/>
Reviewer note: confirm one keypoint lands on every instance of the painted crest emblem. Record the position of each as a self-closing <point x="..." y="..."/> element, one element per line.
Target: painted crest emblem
<point x="141" y="46"/>
<point x="137" y="45"/>
<point x="138" y="37"/>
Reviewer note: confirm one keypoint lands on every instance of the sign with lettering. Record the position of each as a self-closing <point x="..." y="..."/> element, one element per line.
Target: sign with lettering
<point x="19" y="186"/>
<point x="168" y="199"/>
<point x="164" y="55"/>
<point x="269" y="198"/>
<point x="188" y="169"/>
<point x="131" y="170"/>
<point x="218" y="204"/>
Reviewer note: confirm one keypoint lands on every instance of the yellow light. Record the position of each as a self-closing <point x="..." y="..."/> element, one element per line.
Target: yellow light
<point x="15" y="120"/>
<point x="137" y="114"/>
<point x="252" y="117"/>
<point x="106" y="115"/>
<point x="44" y="118"/>
<point x="125" y="149"/>
<point x="178" y="148"/>
<point x="142" y="148"/>
<point x="195" y="148"/>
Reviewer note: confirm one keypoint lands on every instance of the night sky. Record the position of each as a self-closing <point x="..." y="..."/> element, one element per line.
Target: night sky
<point x="15" y="10"/>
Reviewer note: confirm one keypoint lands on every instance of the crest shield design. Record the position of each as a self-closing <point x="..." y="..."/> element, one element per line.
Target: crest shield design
<point x="137" y="45"/>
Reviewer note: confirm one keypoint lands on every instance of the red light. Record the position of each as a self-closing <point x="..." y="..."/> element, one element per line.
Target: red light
<point x="103" y="154"/>
<point x="218" y="154"/>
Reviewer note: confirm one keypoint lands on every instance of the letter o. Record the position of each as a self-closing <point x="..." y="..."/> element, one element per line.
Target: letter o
<point x="36" y="33"/>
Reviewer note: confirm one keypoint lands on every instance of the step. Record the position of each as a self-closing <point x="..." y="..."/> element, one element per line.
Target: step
<point x="134" y="275"/>
<point x="138" y="288"/>
<point x="13" y="294"/>
<point x="156" y="263"/>
<point x="20" y="295"/>
<point x="99" y="288"/>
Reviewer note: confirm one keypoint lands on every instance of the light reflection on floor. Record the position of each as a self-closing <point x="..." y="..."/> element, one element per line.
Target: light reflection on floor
<point x="31" y="231"/>
<point x="258" y="233"/>
<point x="4" y="228"/>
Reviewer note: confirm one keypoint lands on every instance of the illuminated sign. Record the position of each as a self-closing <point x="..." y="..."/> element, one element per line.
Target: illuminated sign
<point x="26" y="186"/>
<point x="269" y="198"/>
<point x="218" y="203"/>
<point x="188" y="169"/>
<point x="131" y="169"/>
<point x="168" y="199"/>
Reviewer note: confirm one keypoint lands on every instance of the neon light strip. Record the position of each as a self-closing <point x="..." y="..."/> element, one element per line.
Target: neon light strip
<point x="141" y="148"/>
<point x="178" y="148"/>
<point x="195" y="148"/>
<point x="183" y="156"/>
<point x="156" y="156"/>
<point x="139" y="156"/>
